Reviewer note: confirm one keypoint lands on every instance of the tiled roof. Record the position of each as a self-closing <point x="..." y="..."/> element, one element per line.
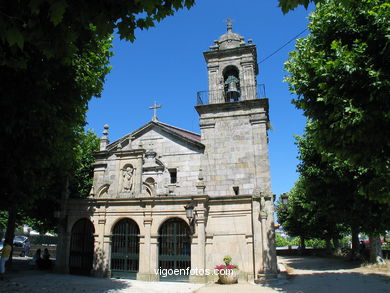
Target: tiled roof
<point x="183" y="132"/>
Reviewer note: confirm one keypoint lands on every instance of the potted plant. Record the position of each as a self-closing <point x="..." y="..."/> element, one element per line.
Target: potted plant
<point x="227" y="273"/>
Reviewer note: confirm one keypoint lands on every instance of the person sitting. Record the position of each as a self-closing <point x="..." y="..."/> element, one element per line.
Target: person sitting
<point x="4" y="256"/>
<point x="46" y="262"/>
<point x="37" y="260"/>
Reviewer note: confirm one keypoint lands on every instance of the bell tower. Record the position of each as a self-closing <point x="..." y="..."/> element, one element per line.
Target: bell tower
<point x="234" y="119"/>
<point x="232" y="68"/>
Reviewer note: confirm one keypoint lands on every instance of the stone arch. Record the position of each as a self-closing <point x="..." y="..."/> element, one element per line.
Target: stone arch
<point x="150" y="186"/>
<point x="103" y="190"/>
<point x="81" y="247"/>
<point x="174" y="246"/>
<point x="231" y="83"/>
<point x="125" y="248"/>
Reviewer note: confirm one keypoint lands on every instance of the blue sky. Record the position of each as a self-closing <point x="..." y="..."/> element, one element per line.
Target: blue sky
<point x="166" y="64"/>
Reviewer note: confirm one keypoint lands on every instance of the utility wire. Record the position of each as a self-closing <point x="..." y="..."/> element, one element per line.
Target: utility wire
<point x="276" y="51"/>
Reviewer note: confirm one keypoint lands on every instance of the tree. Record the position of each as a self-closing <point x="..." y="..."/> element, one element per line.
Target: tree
<point x="54" y="56"/>
<point x="81" y="181"/>
<point x="287" y="5"/>
<point x="303" y="217"/>
<point x="340" y="73"/>
<point x="333" y="185"/>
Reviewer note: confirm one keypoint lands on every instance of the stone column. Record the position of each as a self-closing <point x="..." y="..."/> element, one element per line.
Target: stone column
<point x="145" y="271"/>
<point x="266" y="265"/>
<point x="62" y="253"/>
<point x="248" y="91"/>
<point x="213" y="86"/>
<point x="138" y="176"/>
<point x="107" y="252"/>
<point x="99" y="262"/>
<point x="198" y="251"/>
<point x="154" y="258"/>
<point x="257" y="238"/>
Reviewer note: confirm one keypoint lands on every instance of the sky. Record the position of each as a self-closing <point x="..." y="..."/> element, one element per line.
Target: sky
<point x="166" y="64"/>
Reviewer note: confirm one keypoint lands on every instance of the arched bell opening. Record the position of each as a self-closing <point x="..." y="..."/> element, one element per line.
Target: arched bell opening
<point x="81" y="247"/>
<point x="174" y="248"/>
<point x="231" y="83"/>
<point x="125" y="249"/>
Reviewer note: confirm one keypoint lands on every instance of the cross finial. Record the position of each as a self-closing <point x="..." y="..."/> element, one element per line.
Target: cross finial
<point x="229" y="24"/>
<point x="155" y="107"/>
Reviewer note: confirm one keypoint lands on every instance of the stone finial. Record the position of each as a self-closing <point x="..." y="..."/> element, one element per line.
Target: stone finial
<point x="229" y="25"/>
<point x="104" y="139"/>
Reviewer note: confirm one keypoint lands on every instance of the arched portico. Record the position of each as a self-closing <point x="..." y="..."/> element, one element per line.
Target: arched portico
<point x="125" y="249"/>
<point x="81" y="247"/>
<point x="174" y="248"/>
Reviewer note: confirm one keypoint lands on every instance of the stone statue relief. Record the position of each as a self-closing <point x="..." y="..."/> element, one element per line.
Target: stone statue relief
<point x="128" y="179"/>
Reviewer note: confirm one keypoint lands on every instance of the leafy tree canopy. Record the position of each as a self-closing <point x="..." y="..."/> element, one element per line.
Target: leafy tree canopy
<point x="334" y="184"/>
<point x="54" y="56"/>
<point x="340" y="73"/>
<point x="59" y="28"/>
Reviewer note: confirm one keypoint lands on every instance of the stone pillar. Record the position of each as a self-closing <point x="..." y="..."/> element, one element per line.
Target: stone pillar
<point x="64" y="235"/>
<point x="100" y="262"/>
<point x="146" y="272"/>
<point x="154" y="258"/>
<point x="266" y="270"/>
<point x="214" y="96"/>
<point x="257" y="238"/>
<point x="198" y="251"/>
<point x="138" y="176"/>
<point x="107" y="252"/>
<point x="62" y="253"/>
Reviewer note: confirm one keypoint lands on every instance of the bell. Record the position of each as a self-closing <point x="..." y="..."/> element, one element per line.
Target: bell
<point x="232" y="92"/>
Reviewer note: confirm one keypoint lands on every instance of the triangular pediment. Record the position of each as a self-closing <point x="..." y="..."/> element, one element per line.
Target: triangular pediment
<point x="177" y="135"/>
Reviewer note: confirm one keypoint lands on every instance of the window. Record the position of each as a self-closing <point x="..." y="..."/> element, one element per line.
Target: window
<point x="173" y="174"/>
<point x="236" y="190"/>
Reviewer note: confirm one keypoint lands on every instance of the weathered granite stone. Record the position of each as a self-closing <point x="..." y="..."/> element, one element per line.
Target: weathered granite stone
<point x="149" y="175"/>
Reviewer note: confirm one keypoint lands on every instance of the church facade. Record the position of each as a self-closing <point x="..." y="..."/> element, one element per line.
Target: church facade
<point x="164" y="198"/>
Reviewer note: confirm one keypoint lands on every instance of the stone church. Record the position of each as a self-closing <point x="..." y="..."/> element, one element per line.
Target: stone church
<point x="167" y="198"/>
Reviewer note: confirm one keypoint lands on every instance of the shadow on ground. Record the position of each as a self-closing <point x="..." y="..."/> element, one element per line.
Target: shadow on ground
<point x="327" y="275"/>
<point x="25" y="278"/>
<point x="320" y="263"/>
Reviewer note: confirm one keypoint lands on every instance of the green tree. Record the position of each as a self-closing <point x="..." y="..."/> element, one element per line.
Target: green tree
<point x="301" y="217"/>
<point x="333" y="185"/>
<point x="54" y="57"/>
<point x="287" y="5"/>
<point x="82" y="176"/>
<point x="340" y="73"/>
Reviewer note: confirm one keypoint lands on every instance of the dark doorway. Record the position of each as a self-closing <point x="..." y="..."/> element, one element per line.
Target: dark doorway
<point x="175" y="248"/>
<point x="125" y="249"/>
<point x="81" y="248"/>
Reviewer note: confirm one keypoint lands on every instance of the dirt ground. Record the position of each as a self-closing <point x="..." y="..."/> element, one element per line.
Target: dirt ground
<point x="306" y="275"/>
<point x="331" y="275"/>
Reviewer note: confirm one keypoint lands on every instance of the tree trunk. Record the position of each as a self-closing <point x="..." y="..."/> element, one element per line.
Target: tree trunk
<point x="355" y="242"/>
<point x="302" y="245"/>
<point x="376" y="255"/>
<point x="10" y="233"/>
<point x="336" y="244"/>
<point x="328" y="246"/>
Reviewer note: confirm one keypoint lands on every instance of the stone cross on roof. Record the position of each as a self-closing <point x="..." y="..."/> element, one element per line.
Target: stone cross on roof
<point x="229" y="24"/>
<point x="155" y="107"/>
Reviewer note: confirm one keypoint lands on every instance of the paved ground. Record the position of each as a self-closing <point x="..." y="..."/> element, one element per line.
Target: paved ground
<point x="309" y="274"/>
